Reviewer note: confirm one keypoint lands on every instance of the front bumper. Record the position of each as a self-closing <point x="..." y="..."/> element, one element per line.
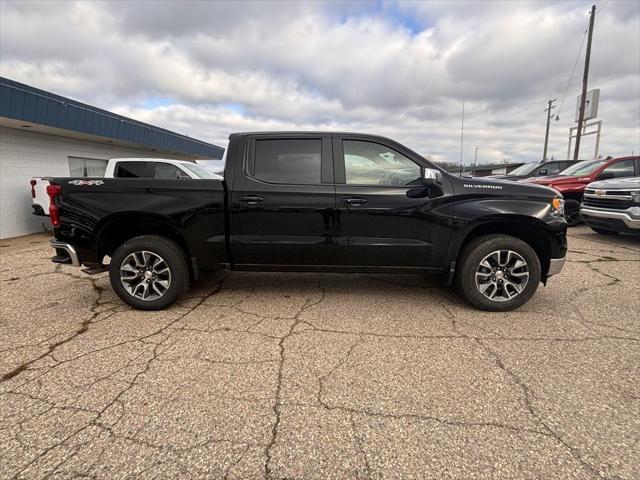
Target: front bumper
<point x="66" y="254"/>
<point x="600" y="216"/>
<point x="555" y="266"/>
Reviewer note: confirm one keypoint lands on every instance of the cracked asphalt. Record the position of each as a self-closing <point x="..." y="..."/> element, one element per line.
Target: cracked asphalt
<point x="257" y="375"/>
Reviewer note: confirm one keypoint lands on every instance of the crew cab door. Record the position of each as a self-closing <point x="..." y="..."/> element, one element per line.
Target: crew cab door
<point x="386" y="218"/>
<point x="282" y="201"/>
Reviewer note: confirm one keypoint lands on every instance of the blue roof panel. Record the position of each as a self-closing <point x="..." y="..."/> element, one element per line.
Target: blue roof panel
<point x="25" y="103"/>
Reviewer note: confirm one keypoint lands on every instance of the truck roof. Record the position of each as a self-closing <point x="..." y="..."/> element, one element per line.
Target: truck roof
<point x="149" y="159"/>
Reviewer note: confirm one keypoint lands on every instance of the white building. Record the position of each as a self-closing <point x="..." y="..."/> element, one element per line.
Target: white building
<point x="42" y="134"/>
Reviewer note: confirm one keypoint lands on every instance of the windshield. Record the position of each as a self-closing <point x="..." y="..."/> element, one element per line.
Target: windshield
<point x="200" y="172"/>
<point x="524" y="169"/>
<point x="583" y="168"/>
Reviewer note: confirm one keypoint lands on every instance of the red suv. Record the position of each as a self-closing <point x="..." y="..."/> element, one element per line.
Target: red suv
<point x="572" y="181"/>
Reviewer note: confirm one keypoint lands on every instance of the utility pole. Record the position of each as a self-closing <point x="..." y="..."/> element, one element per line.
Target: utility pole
<point x="585" y="79"/>
<point x="462" y="140"/>
<point x="475" y="159"/>
<point x="546" y="135"/>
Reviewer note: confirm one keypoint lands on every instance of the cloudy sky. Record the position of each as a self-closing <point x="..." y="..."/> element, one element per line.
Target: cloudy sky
<point x="401" y="69"/>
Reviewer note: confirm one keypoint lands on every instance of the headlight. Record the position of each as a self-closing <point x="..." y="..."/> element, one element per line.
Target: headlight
<point x="558" y="206"/>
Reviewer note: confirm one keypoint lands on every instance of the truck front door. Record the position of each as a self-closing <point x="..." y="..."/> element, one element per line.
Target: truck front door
<point x="386" y="218"/>
<point x="282" y="202"/>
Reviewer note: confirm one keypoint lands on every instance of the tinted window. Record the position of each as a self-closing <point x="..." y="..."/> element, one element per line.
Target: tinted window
<point x="288" y="161"/>
<point x="166" y="170"/>
<point x="132" y="170"/>
<point x="368" y="163"/>
<point x="551" y="169"/>
<point x="623" y="168"/>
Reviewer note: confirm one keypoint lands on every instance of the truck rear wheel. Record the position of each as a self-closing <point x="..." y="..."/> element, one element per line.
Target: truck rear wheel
<point x="149" y="272"/>
<point x="498" y="272"/>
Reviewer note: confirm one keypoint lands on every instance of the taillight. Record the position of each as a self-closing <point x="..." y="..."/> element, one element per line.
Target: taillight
<point x="33" y="188"/>
<point x="54" y="191"/>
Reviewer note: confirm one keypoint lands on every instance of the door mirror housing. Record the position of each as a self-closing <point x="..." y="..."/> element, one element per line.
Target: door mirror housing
<point x="430" y="177"/>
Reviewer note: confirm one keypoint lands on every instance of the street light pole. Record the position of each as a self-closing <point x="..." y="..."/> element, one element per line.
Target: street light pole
<point x="546" y="135"/>
<point x="475" y="159"/>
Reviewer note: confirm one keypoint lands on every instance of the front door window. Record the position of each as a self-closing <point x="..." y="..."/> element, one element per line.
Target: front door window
<point x="369" y="163"/>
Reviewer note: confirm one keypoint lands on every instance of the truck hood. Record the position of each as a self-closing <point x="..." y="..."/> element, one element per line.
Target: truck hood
<point x="506" y="177"/>
<point x="559" y="180"/>
<point x="617" y="183"/>
<point x="497" y="187"/>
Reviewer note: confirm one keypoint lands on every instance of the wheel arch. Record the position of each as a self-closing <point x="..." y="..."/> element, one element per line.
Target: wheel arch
<point x="117" y="229"/>
<point x="530" y="231"/>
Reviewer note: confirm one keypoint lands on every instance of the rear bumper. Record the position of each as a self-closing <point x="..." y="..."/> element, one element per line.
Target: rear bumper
<point x="610" y="218"/>
<point x="66" y="254"/>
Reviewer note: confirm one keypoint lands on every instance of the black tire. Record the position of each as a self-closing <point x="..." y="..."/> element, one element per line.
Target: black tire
<point x="572" y="212"/>
<point x="469" y="262"/>
<point x="174" y="260"/>
<point x="603" y="231"/>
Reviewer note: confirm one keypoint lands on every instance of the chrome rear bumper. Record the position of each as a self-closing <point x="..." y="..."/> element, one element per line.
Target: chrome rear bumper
<point x="555" y="266"/>
<point x="69" y="249"/>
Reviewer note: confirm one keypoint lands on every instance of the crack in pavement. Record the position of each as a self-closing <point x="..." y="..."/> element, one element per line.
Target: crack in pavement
<point x="277" y="407"/>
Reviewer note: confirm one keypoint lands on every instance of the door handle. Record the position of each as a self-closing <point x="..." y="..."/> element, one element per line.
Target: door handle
<point x="251" y="199"/>
<point x="353" y="200"/>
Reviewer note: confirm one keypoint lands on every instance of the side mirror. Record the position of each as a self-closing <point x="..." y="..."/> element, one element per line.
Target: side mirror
<point x="431" y="176"/>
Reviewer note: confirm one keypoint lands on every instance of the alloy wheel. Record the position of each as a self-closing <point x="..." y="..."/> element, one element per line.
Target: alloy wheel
<point x="502" y="275"/>
<point x="145" y="275"/>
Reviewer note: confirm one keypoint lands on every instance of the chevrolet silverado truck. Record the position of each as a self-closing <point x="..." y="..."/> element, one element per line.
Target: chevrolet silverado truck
<point x="572" y="182"/>
<point x="313" y="202"/>
<point x="612" y="206"/>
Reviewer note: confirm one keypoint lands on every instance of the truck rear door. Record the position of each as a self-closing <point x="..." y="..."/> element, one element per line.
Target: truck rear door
<point x="282" y="201"/>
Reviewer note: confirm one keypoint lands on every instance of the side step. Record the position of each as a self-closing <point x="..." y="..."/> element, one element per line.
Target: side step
<point x="96" y="270"/>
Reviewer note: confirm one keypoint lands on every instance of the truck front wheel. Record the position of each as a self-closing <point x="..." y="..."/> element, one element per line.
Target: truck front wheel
<point x="149" y="272"/>
<point x="498" y="272"/>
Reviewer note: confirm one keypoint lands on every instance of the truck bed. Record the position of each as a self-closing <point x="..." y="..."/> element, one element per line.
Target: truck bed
<point x="94" y="213"/>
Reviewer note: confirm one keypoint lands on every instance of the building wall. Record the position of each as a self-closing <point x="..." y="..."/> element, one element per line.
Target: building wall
<point x="25" y="154"/>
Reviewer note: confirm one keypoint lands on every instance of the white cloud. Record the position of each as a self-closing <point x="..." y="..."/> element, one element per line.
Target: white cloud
<point x="399" y="69"/>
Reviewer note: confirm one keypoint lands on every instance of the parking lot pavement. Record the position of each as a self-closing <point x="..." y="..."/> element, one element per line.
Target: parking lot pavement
<point x="320" y="376"/>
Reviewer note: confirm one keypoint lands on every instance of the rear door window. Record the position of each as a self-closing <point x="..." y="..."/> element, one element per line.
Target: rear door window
<point x="288" y="161"/>
<point x="132" y="170"/>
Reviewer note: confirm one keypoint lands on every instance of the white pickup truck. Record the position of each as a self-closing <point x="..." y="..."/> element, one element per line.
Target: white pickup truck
<point x="127" y="168"/>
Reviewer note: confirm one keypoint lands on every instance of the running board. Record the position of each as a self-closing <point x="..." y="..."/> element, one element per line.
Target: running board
<point x="96" y="270"/>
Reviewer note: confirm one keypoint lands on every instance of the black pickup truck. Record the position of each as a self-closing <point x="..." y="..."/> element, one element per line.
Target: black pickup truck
<point x="320" y="202"/>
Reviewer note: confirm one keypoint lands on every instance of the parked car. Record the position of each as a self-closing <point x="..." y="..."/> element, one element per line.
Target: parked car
<point x="572" y="181"/>
<point x="295" y="201"/>
<point x="540" y="169"/>
<point x="612" y="206"/>
<point x="127" y="168"/>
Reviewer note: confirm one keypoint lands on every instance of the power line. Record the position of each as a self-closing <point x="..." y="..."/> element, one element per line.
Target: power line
<point x="573" y="71"/>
